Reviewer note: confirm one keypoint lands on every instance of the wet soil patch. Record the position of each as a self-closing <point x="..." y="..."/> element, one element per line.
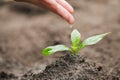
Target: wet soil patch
<point x="7" y="76"/>
<point x="69" y="67"/>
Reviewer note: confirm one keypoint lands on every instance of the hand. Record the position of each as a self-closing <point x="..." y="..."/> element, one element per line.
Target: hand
<point x="60" y="7"/>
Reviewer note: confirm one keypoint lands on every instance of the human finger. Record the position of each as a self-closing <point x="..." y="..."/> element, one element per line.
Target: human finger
<point x="66" y="5"/>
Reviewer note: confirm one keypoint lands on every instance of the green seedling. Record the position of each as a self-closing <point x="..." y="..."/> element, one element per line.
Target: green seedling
<point x="76" y="44"/>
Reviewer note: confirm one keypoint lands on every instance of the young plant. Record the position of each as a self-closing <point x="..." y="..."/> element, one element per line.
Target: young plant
<point x="76" y="44"/>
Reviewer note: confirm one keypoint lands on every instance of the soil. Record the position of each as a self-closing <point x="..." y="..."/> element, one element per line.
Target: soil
<point x="26" y="29"/>
<point x="68" y="67"/>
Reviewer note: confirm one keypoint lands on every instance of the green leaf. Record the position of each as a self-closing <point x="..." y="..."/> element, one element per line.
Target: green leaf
<point x="52" y="49"/>
<point x="92" y="40"/>
<point x="75" y="38"/>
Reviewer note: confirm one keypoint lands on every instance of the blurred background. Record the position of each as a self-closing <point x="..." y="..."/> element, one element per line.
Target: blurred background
<point x="26" y="29"/>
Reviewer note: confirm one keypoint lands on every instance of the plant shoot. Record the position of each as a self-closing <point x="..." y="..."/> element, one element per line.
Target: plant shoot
<point x="76" y="44"/>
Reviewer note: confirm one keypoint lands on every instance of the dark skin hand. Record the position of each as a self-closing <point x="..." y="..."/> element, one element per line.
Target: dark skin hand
<point x="60" y="7"/>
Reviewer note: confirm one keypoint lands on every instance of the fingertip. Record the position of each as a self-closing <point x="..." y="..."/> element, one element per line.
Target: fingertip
<point x="71" y="20"/>
<point x="64" y="13"/>
<point x="72" y="11"/>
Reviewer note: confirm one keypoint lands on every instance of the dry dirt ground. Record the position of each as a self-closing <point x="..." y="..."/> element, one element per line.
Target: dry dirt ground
<point x="25" y="30"/>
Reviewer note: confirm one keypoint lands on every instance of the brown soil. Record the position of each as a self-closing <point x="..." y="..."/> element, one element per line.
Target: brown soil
<point x="25" y="30"/>
<point x="68" y="67"/>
